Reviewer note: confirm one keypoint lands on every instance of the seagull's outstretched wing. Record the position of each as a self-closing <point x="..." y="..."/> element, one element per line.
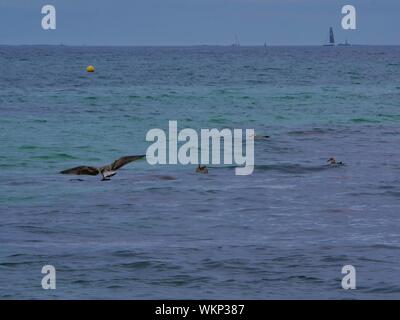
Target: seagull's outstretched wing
<point x="123" y="161"/>
<point x="91" y="171"/>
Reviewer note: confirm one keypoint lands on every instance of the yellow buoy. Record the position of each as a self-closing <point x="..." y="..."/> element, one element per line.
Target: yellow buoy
<point x="90" y="69"/>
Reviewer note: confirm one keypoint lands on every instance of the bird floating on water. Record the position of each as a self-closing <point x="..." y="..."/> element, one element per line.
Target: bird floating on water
<point x="259" y="137"/>
<point x="332" y="161"/>
<point x="106" y="171"/>
<point x="202" y="169"/>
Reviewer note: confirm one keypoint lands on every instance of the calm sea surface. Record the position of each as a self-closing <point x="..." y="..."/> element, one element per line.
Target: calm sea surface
<point x="284" y="232"/>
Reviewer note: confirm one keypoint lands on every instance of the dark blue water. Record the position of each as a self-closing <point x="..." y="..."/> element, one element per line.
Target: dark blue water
<point x="285" y="231"/>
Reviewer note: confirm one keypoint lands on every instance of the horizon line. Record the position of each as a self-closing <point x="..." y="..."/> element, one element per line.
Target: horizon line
<point x="188" y="45"/>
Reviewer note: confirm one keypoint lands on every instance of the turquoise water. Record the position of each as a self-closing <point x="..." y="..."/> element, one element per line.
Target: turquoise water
<point x="284" y="232"/>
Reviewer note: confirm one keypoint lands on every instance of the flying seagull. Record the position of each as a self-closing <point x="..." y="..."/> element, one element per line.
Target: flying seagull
<point x="106" y="171"/>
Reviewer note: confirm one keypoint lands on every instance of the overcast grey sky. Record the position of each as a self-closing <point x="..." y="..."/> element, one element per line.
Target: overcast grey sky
<point x="192" y="22"/>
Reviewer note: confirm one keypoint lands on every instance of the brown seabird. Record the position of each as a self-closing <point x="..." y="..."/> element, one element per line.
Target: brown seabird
<point x="106" y="171"/>
<point x="202" y="169"/>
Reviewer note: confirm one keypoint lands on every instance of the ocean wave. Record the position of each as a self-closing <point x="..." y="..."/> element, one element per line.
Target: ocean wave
<point x="314" y="131"/>
<point x="364" y="120"/>
<point x="291" y="168"/>
<point x="55" y="156"/>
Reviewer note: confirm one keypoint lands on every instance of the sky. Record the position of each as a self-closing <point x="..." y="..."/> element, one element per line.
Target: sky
<point x="198" y="22"/>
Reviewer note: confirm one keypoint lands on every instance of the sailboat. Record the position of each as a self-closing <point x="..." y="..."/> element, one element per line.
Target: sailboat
<point x="331" y="42"/>
<point x="345" y="44"/>
<point x="236" y="43"/>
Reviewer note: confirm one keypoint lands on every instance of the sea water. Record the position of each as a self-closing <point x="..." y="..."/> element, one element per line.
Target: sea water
<point x="152" y="232"/>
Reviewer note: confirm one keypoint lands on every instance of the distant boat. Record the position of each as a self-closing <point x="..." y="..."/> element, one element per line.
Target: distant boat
<point x="345" y="44"/>
<point x="331" y="42"/>
<point x="236" y="43"/>
<point x="265" y="44"/>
